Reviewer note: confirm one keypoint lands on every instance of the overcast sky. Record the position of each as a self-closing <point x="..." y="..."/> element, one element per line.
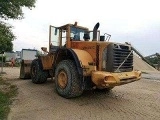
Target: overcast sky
<point x="134" y="21"/>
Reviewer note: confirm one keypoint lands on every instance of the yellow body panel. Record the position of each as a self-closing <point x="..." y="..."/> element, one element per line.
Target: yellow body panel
<point x="83" y="56"/>
<point x="104" y="79"/>
<point x="86" y="61"/>
<point x="47" y="61"/>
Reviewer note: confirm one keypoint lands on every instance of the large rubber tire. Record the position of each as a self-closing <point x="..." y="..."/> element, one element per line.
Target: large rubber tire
<point x="38" y="75"/>
<point x="72" y="85"/>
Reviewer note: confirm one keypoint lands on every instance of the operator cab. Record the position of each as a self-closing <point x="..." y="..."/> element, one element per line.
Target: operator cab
<point x="62" y="36"/>
<point x="78" y="33"/>
<point x="57" y="37"/>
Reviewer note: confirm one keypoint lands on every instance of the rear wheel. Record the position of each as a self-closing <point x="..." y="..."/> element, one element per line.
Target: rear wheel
<point x="38" y="75"/>
<point x="67" y="81"/>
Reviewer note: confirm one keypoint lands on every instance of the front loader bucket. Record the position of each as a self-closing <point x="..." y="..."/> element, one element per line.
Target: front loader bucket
<point x="25" y="69"/>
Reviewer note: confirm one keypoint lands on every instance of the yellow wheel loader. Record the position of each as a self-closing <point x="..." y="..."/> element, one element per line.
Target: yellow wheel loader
<point x="80" y="59"/>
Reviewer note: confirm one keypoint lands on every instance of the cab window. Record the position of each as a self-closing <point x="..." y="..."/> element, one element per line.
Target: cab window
<point x="77" y="34"/>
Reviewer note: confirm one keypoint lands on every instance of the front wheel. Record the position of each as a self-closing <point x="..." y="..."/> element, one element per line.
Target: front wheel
<point x="38" y="75"/>
<point x="67" y="80"/>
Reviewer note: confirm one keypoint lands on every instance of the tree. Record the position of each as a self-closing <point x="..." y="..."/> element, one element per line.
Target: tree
<point x="11" y="9"/>
<point x="6" y="37"/>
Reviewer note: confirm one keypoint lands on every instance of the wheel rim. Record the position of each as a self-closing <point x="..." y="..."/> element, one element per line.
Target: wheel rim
<point x="62" y="79"/>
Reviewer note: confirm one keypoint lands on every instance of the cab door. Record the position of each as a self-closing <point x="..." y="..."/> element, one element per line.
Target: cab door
<point x="54" y="38"/>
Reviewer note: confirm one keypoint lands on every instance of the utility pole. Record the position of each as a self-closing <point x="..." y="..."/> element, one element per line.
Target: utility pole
<point x="2" y="63"/>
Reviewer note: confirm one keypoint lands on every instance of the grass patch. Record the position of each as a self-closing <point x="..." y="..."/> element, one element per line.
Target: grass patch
<point x="7" y="92"/>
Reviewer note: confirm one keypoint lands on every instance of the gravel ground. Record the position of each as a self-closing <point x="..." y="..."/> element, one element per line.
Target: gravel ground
<point x="151" y="75"/>
<point x="135" y="101"/>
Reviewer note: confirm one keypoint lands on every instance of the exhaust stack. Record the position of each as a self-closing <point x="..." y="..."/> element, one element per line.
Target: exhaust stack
<point x="95" y="31"/>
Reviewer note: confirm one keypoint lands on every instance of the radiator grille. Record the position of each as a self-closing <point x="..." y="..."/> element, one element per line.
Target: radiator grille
<point x="116" y="54"/>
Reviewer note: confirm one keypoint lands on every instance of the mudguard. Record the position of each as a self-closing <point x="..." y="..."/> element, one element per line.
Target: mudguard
<point x="80" y="57"/>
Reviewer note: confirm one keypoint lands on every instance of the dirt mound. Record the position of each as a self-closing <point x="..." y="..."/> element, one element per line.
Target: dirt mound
<point x="139" y="64"/>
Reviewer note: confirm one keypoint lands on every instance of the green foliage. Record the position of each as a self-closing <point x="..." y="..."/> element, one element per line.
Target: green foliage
<point x="6" y="37"/>
<point x="7" y="92"/>
<point x="12" y="9"/>
<point x="39" y="53"/>
<point x="4" y="59"/>
<point x="153" y="60"/>
<point x="4" y="102"/>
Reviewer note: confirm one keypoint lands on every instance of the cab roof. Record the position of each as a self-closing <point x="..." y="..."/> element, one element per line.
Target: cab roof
<point x="74" y="25"/>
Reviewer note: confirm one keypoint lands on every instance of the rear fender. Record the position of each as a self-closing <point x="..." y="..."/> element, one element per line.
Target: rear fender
<point x="80" y="57"/>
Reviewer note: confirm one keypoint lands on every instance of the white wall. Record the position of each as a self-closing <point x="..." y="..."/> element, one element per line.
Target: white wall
<point x="27" y="54"/>
<point x="10" y="55"/>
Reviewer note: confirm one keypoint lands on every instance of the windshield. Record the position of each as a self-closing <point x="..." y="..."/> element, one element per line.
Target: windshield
<point x="77" y="33"/>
